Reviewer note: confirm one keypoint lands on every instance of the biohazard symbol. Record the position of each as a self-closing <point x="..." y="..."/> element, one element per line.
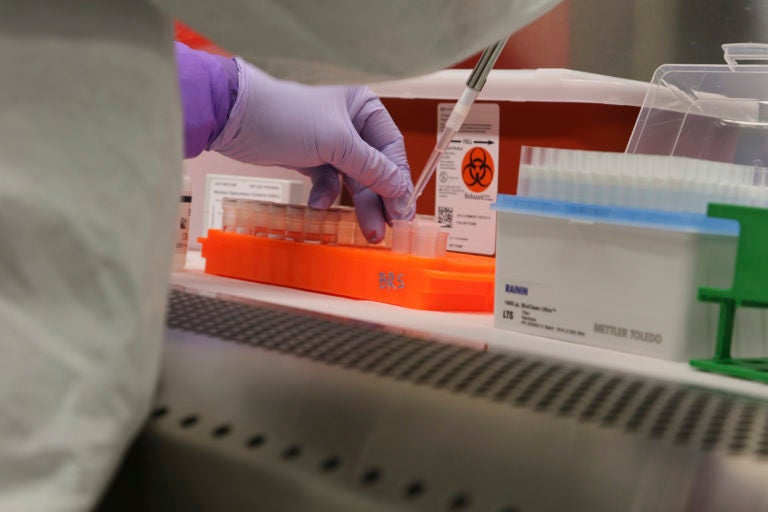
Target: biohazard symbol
<point x="477" y="169"/>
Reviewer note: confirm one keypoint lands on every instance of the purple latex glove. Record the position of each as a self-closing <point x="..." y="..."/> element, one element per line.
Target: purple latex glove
<point x="208" y="85"/>
<point x="321" y="132"/>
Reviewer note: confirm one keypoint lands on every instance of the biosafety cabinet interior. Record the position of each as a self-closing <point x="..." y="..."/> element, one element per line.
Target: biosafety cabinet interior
<point x="266" y="408"/>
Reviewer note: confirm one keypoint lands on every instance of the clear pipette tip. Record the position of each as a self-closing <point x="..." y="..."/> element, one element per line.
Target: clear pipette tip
<point x="474" y="84"/>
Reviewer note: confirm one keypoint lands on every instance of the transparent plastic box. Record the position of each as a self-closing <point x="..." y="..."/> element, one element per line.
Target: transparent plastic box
<point x="712" y="112"/>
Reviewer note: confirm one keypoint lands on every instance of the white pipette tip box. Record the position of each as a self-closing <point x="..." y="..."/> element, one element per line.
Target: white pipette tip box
<point x="619" y="278"/>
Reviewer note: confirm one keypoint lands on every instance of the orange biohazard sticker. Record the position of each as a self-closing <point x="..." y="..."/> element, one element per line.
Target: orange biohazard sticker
<point x="477" y="169"/>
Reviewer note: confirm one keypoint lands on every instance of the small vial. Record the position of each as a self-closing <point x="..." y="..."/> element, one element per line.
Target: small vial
<point x="314" y="219"/>
<point x="294" y="223"/>
<point x="387" y="242"/>
<point x="424" y="241"/>
<point x="401" y="236"/>
<point x="261" y="218"/>
<point x="441" y="247"/>
<point x="245" y="216"/>
<point x="346" y="227"/>
<point x="359" y="238"/>
<point x="331" y="226"/>
<point x="229" y="215"/>
<point x="182" y="233"/>
<point x="277" y="221"/>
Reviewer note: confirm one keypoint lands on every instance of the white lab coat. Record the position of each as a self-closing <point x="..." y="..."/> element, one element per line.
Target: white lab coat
<point x="90" y="162"/>
<point x="344" y="41"/>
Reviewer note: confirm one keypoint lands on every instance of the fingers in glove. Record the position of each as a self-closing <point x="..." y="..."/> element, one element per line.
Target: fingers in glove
<point x="326" y="186"/>
<point x="370" y="215"/>
<point x="360" y="159"/>
<point x="369" y="211"/>
<point x="378" y="129"/>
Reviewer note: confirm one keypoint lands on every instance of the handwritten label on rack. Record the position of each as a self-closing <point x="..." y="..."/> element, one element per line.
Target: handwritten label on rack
<point x="391" y="281"/>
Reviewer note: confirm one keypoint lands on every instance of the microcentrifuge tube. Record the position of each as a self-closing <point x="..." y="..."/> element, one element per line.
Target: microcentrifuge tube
<point x="313" y="225"/>
<point x="387" y="242"/>
<point x="245" y="216"/>
<point x="424" y="239"/>
<point x="347" y="227"/>
<point x="294" y="222"/>
<point x="331" y="226"/>
<point x="359" y="238"/>
<point x="229" y="215"/>
<point x="277" y="221"/>
<point x="261" y="218"/>
<point x="441" y="247"/>
<point x="401" y="236"/>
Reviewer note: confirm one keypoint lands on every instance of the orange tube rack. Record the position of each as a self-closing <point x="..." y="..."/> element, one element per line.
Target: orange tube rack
<point x="456" y="282"/>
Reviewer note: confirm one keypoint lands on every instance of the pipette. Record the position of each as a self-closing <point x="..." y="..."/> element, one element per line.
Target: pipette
<point x="474" y="85"/>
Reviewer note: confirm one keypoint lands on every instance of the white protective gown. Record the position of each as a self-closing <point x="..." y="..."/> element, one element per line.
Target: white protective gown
<point x="90" y="163"/>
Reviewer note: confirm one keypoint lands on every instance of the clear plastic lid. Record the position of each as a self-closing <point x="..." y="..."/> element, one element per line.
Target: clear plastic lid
<point x="713" y="112"/>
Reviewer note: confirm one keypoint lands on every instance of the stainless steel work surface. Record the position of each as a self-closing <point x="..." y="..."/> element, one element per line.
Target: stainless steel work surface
<point x="261" y="408"/>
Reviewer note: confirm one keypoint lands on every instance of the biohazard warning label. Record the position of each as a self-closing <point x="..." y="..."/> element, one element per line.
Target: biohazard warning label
<point x="467" y="182"/>
<point x="477" y="169"/>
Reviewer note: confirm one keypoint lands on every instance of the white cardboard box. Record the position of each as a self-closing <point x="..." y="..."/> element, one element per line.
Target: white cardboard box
<point x="617" y="278"/>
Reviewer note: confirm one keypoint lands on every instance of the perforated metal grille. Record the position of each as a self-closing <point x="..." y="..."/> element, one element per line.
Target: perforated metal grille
<point x="672" y="413"/>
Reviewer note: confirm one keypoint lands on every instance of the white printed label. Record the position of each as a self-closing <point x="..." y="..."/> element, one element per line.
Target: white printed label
<point x="218" y="188"/>
<point x="529" y="307"/>
<point x="523" y="303"/>
<point x="182" y="234"/>
<point x="467" y="182"/>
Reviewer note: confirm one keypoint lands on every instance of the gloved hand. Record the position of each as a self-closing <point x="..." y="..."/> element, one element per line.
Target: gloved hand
<point x="322" y="131"/>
